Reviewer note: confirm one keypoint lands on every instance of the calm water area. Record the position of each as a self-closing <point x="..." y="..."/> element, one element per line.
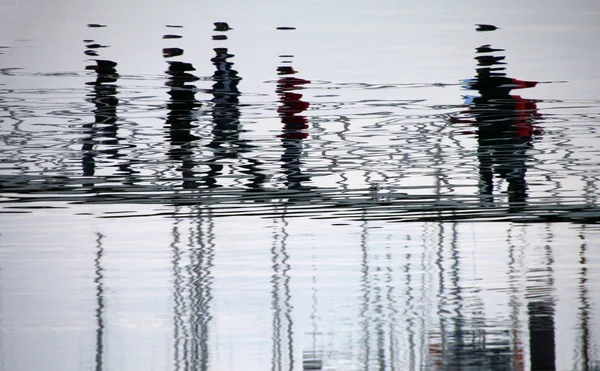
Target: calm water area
<point x="377" y="185"/>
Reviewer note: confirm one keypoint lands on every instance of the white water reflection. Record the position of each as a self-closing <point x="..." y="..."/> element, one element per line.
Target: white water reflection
<point x="219" y="293"/>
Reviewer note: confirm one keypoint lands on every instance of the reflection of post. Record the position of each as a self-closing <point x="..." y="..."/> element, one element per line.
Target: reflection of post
<point x="505" y="126"/>
<point x="294" y="125"/>
<point x="180" y="116"/>
<point x="100" y="304"/>
<point x="584" y="308"/>
<point x="283" y="349"/>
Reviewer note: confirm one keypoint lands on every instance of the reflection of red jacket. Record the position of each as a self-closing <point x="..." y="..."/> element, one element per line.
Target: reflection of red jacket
<point x="292" y="104"/>
<point x="524" y="110"/>
<point x="291" y="107"/>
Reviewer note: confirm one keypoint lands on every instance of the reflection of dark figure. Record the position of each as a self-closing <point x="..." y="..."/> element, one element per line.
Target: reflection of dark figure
<point x="505" y="127"/>
<point x="180" y="117"/>
<point x="102" y="133"/>
<point x="226" y="142"/>
<point x="294" y="125"/>
<point x="105" y="113"/>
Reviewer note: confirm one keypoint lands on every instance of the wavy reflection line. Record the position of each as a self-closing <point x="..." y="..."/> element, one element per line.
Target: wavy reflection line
<point x="313" y="359"/>
<point x="201" y="262"/>
<point x="282" y="337"/>
<point x="584" y="306"/>
<point x="409" y="311"/>
<point x="98" y="280"/>
<point x="392" y="312"/>
<point x="365" y="287"/>
<point x="180" y="331"/>
<point x="515" y="265"/>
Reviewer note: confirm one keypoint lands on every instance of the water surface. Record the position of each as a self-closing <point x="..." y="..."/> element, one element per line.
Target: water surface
<point x="335" y="188"/>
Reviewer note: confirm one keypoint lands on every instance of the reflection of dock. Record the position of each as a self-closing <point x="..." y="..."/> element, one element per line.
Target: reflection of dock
<point x="323" y="202"/>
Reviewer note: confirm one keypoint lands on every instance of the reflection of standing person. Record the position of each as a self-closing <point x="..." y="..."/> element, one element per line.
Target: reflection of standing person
<point x="181" y="111"/>
<point x="104" y="126"/>
<point x="505" y="125"/>
<point x="294" y="125"/>
<point x="102" y="135"/>
<point x="226" y="142"/>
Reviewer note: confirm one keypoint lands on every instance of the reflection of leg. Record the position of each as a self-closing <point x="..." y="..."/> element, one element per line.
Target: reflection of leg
<point x="517" y="187"/>
<point x="292" y="164"/>
<point x="486" y="177"/>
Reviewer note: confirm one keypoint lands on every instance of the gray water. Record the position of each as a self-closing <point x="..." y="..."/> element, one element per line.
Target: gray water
<point x="310" y="186"/>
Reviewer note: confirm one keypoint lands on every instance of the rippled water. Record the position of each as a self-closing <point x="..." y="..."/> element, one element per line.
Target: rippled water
<point x="352" y="188"/>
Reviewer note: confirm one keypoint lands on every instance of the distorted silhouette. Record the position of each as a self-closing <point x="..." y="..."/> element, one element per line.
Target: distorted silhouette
<point x="505" y="127"/>
<point x="180" y="116"/>
<point x="101" y="135"/>
<point x="226" y="142"/>
<point x="295" y="125"/>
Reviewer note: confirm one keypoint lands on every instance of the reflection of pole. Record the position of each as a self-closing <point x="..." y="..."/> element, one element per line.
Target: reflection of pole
<point x="515" y="304"/>
<point x="584" y="308"/>
<point x="366" y="293"/>
<point x="201" y="262"/>
<point x="191" y="310"/>
<point x="100" y="303"/>
<point x="180" y="333"/>
<point x="281" y="304"/>
<point x="313" y="359"/>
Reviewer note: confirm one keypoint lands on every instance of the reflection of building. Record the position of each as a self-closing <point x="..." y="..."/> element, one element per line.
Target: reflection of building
<point x="294" y="125"/>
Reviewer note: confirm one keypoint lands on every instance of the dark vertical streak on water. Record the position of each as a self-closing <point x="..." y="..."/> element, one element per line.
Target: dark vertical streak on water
<point x="410" y="322"/>
<point x="201" y="262"/>
<point x="391" y="309"/>
<point x="366" y="288"/>
<point x="540" y="308"/>
<point x="283" y="350"/>
<point x="443" y="340"/>
<point x="180" y="333"/>
<point x="456" y="299"/>
<point x="514" y="304"/>
<point x="584" y="307"/>
<point x="99" y="303"/>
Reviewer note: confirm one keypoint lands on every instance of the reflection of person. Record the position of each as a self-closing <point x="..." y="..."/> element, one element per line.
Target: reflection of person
<point x="180" y="115"/>
<point x="226" y="142"/>
<point x="505" y="126"/>
<point x="105" y="100"/>
<point x="294" y="125"/>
